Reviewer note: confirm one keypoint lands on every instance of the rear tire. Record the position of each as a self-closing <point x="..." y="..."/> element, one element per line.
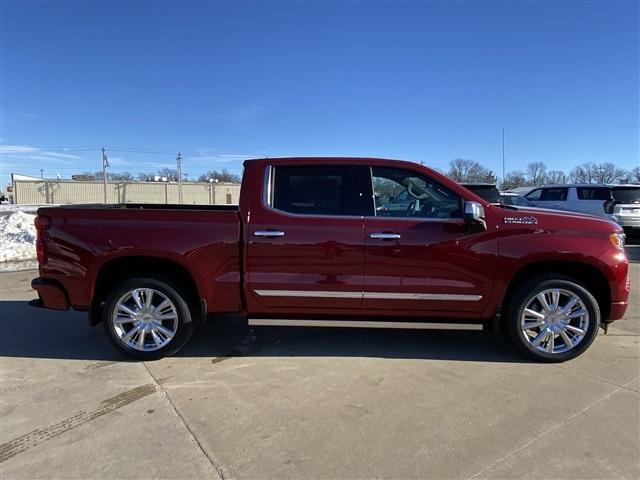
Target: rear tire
<point x="552" y="318"/>
<point x="147" y="318"/>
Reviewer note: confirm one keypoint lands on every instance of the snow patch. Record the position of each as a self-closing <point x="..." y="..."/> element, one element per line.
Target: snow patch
<point x="17" y="237"/>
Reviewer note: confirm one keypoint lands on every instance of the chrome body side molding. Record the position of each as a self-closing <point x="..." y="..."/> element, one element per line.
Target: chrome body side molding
<point x="286" y="322"/>
<point x="455" y="297"/>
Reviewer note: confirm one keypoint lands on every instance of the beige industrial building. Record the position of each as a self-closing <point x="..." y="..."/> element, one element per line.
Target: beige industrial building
<point x="41" y="192"/>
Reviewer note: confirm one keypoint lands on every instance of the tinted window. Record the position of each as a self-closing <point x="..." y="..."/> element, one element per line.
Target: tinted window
<point x="553" y="194"/>
<point x="626" y="194"/>
<point x="403" y="193"/>
<point x="593" y="193"/>
<point x="534" y="195"/>
<point x="309" y="190"/>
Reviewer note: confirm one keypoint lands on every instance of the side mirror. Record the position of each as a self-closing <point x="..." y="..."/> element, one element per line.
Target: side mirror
<point x="474" y="216"/>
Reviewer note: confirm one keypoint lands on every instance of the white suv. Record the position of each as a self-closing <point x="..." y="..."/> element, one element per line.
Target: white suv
<point x="620" y="203"/>
<point x="624" y="206"/>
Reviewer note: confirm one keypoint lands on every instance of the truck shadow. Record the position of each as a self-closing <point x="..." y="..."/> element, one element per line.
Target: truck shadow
<point x="28" y="332"/>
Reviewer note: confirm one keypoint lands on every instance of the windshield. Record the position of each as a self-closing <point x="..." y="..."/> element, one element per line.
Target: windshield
<point x="626" y="194"/>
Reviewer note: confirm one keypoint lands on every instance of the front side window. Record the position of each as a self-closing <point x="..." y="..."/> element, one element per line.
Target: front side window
<point x="534" y="195"/>
<point x="553" y="195"/>
<point x="593" y="193"/>
<point x="406" y="194"/>
<point x="316" y="190"/>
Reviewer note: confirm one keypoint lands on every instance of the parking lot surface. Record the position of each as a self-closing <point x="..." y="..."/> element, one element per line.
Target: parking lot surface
<point x="314" y="403"/>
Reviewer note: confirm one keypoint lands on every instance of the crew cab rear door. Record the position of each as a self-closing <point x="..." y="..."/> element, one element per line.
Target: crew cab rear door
<point x="304" y="241"/>
<point x="423" y="260"/>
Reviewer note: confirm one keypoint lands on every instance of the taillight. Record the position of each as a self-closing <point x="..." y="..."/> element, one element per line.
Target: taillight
<point x="42" y="224"/>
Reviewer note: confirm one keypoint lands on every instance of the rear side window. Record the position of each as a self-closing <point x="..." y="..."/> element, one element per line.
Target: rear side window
<point x="321" y="190"/>
<point x="593" y="193"/>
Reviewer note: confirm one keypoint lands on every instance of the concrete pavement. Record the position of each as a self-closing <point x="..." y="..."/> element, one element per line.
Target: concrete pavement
<point x="311" y="403"/>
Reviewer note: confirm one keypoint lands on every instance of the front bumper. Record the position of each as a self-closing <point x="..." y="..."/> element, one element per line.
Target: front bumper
<point x="50" y="295"/>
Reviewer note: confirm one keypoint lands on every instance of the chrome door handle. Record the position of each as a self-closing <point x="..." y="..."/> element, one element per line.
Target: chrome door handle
<point x="385" y="236"/>
<point x="268" y="233"/>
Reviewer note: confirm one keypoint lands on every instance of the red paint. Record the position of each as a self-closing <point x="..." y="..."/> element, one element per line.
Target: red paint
<point x="51" y="294"/>
<point x="220" y="252"/>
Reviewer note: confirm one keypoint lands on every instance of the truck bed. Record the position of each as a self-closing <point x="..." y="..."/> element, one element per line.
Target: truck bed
<point x="203" y="240"/>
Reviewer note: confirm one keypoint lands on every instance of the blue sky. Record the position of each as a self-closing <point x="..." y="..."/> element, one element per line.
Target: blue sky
<point x="222" y="81"/>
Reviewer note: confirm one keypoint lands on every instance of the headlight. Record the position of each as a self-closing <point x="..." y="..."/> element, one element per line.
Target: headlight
<point x="617" y="240"/>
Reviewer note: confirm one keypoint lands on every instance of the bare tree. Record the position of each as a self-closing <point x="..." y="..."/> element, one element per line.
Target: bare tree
<point x="607" y="172"/>
<point x="634" y="175"/>
<point x="556" y="177"/>
<point x="121" y="177"/>
<point x="468" y="171"/>
<point x="222" y="176"/>
<point x="514" y="179"/>
<point x="170" y="173"/>
<point x="536" y="173"/>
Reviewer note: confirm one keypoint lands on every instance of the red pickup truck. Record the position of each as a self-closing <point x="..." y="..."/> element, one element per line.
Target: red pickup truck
<point x="336" y="242"/>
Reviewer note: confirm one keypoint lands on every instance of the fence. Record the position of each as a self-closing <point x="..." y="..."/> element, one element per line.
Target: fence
<point x="40" y="192"/>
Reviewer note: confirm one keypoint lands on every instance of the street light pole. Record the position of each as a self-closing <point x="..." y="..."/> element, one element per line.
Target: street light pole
<point x="105" y="164"/>
<point x="504" y="178"/>
<point x="179" y="162"/>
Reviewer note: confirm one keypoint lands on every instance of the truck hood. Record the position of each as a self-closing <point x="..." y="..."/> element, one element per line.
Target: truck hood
<point x="545" y="218"/>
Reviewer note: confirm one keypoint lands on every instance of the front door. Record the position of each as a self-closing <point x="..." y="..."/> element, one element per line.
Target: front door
<point x="420" y="257"/>
<point x="305" y="249"/>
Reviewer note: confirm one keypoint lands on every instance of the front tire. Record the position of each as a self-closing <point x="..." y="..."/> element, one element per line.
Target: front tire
<point x="552" y="318"/>
<point x="147" y="318"/>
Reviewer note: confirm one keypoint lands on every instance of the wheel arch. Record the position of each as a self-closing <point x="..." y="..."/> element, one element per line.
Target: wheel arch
<point x="592" y="278"/>
<point x="120" y="268"/>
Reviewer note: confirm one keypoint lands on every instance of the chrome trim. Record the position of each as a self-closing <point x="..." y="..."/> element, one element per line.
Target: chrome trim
<point x="283" y="322"/>
<point x="385" y="236"/>
<point x="369" y="295"/>
<point x="268" y="233"/>
<point x="308" y="293"/>
<point x="268" y="173"/>
<point x="423" y="296"/>
<point x="458" y="220"/>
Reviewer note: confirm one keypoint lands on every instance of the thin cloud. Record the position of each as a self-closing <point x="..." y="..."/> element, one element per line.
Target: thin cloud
<point x="242" y="115"/>
<point x="26" y="152"/>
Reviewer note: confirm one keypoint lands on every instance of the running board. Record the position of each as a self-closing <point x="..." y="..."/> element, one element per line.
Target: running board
<point x="282" y="322"/>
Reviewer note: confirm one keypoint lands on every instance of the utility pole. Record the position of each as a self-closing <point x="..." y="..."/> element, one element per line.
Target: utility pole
<point x="105" y="164"/>
<point x="41" y="173"/>
<point x="179" y="162"/>
<point x="504" y="178"/>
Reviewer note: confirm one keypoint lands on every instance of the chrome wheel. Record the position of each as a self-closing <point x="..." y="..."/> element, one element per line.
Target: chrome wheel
<point x="145" y="319"/>
<point x="554" y="320"/>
